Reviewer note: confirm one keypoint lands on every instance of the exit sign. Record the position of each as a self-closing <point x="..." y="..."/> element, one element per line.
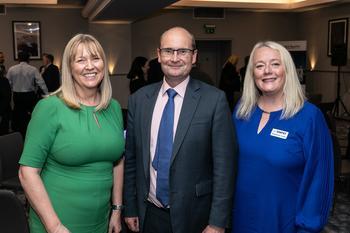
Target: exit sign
<point x="209" y="28"/>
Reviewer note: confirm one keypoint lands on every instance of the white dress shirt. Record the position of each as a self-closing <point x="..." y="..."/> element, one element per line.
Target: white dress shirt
<point x="23" y="77"/>
<point x="162" y="99"/>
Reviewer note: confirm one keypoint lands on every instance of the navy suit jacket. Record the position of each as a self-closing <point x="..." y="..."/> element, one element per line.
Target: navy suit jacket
<point x="203" y="162"/>
<point x="51" y="77"/>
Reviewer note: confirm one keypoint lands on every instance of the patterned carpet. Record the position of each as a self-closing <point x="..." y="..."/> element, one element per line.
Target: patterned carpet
<point x="339" y="221"/>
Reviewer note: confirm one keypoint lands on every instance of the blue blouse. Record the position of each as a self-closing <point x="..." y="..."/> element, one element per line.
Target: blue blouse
<point x="285" y="173"/>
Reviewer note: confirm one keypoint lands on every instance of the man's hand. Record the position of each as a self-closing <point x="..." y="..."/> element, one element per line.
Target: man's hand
<point x="133" y="223"/>
<point x="213" y="229"/>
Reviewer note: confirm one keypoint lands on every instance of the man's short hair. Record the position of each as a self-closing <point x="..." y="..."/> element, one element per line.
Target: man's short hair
<point x="50" y="57"/>
<point x="23" y="56"/>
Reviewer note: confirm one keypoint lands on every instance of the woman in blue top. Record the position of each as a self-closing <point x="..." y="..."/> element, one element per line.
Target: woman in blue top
<point x="285" y="167"/>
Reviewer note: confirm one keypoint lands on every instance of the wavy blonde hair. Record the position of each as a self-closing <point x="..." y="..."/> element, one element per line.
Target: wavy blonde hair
<point x="67" y="90"/>
<point x="293" y="95"/>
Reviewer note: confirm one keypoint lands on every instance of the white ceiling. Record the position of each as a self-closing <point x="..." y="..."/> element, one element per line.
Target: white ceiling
<point x="28" y="1"/>
<point x="125" y="10"/>
<point x="255" y="4"/>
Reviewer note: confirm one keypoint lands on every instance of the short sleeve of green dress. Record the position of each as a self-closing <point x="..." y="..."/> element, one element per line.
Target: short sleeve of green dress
<point x="75" y="150"/>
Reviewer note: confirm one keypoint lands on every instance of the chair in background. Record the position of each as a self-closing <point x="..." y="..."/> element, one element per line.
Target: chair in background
<point x="11" y="149"/>
<point x="12" y="214"/>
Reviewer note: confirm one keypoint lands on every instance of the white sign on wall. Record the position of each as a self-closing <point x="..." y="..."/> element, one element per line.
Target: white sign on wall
<point x="297" y="49"/>
<point x="294" y="45"/>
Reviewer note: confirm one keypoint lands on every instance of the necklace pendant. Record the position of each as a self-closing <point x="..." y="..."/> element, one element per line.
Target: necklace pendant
<point x="96" y="120"/>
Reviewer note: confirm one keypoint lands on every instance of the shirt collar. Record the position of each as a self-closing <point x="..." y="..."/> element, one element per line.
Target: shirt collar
<point x="180" y="88"/>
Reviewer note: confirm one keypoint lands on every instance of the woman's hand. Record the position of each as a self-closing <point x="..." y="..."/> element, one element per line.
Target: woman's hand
<point x="39" y="199"/>
<point x="115" y="222"/>
<point x="61" y="229"/>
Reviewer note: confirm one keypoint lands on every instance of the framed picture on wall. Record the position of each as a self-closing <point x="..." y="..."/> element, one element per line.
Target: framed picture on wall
<point x="337" y="34"/>
<point x="27" y="37"/>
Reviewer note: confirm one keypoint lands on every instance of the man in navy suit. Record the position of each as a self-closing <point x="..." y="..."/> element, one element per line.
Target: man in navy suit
<point x="50" y="73"/>
<point x="202" y="164"/>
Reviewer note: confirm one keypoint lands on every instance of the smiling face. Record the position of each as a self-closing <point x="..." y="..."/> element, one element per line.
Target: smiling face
<point x="87" y="70"/>
<point x="176" y="67"/>
<point x="268" y="70"/>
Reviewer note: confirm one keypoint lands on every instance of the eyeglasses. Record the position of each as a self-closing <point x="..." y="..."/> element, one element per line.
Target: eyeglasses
<point x="182" y="52"/>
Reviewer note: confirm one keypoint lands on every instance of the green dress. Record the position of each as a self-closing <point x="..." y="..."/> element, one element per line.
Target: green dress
<point x="76" y="150"/>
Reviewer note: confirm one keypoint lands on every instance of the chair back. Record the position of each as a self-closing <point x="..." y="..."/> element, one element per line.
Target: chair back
<point x="12" y="214"/>
<point x="11" y="149"/>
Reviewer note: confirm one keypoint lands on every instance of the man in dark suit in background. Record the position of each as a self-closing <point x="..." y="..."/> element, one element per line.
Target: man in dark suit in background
<point x="155" y="73"/>
<point x="185" y="186"/>
<point x="198" y="74"/>
<point x="50" y="73"/>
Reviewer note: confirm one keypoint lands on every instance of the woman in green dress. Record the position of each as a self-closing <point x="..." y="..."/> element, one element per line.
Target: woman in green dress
<point x="72" y="166"/>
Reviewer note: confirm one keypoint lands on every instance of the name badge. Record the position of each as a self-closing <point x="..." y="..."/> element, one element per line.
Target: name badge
<point x="279" y="133"/>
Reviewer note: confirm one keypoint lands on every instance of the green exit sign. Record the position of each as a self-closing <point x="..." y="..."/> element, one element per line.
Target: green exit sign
<point x="209" y="28"/>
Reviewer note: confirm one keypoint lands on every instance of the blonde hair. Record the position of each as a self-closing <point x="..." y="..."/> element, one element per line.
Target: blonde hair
<point x="293" y="95"/>
<point x="67" y="90"/>
<point x="233" y="59"/>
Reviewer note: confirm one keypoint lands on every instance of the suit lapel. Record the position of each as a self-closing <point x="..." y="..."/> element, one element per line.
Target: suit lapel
<point x="147" y="110"/>
<point x="189" y="106"/>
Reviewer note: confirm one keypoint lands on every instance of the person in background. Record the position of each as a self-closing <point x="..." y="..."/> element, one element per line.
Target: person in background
<point x="285" y="166"/>
<point x="72" y="165"/>
<point x="2" y="66"/>
<point x="180" y="149"/>
<point x="198" y="74"/>
<point x="5" y="104"/>
<point x="229" y="81"/>
<point x="243" y="69"/>
<point x="155" y="73"/>
<point x="138" y="74"/>
<point x="24" y="79"/>
<point x="50" y="73"/>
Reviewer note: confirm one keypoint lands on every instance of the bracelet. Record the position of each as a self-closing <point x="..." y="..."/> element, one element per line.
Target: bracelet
<point x="117" y="207"/>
